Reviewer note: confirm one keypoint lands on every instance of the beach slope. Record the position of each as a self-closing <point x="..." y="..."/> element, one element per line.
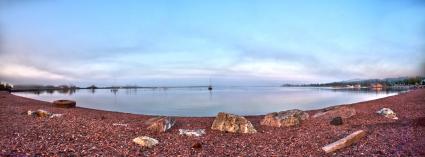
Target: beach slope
<point x="89" y="132"/>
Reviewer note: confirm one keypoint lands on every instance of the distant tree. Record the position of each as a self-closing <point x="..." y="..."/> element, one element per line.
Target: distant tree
<point x="92" y="87"/>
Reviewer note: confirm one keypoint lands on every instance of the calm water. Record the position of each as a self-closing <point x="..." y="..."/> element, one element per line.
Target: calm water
<point x="201" y="102"/>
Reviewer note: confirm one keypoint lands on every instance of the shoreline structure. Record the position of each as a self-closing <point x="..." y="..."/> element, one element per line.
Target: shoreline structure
<point x="83" y="131"/>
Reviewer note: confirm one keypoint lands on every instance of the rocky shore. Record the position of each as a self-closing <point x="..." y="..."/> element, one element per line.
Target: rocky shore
<point x="88" y="132"/>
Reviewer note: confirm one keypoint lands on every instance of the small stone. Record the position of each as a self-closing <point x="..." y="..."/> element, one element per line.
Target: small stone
<point x="30" y="113"/>
<point x="119" y="124"/>
<point x="387" y="113"/>
<point x="197" y="145"/>
<point x="284" y="118"/>
<point x="56" y="115"/>
<point x="227" y="122"/>
<point x="336" y="121"/>
<point x="160" y="124"/>
<point x="145" y="141"/>
<point x="187" y="132"/>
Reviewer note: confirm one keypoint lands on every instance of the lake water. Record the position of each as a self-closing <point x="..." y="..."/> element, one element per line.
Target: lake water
<point x="202" y="102"/>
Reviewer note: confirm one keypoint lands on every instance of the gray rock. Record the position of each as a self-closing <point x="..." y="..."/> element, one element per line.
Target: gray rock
<point x="160" y="124"/>
<point x="232" y="123"/>
<point x="145" y="141"/>
<point x="56" y="115"/>
<point x="338" y="111"/>
<point x="284" y="118"/>
<point x="187" y="132"/>
<point x="387" y="113"/>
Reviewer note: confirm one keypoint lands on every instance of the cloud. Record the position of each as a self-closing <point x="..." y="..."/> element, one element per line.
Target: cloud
<point x="28" y="73"/>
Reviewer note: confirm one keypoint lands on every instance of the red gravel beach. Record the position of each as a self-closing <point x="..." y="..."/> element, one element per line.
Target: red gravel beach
<point x="89" y="132"/>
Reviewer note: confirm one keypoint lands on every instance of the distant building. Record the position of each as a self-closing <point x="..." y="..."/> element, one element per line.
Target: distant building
<point x="357" y="86"/>
<point x="377" y="86"/>
<point x="349" y="86"/>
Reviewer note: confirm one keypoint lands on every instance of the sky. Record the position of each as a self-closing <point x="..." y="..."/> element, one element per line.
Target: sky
<point x="180" y="43"/>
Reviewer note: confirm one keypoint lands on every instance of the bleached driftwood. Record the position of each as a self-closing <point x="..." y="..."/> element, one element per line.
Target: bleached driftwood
<point x="344" y="142"/>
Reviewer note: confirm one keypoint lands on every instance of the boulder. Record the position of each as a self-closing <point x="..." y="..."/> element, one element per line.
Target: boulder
<point x="339" y="111"/>
<point x="284" y="118"/>
<point x="160" y="124"/>
<point x="64" y="103"/>
<point x="145" y="141"/>
<point x="344" y="142"/>
<point x="387" y="113"/>
<point x="187" y="132"/>
<point x="39" y="113"/>
<point x="336" y="121"/>
<point x="232" y="123"/>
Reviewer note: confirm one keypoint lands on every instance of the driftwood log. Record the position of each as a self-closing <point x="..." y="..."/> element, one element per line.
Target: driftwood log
<point x="344" y="142"/>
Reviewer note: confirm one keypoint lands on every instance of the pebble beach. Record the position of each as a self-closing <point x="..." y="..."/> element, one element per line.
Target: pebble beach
<point x="88" y="132"/>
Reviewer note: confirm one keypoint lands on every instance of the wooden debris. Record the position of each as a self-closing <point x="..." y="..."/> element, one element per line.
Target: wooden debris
<point x="344" y="142"/>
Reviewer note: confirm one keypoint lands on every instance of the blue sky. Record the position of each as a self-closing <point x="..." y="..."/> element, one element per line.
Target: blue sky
<point x="231" y="42"/>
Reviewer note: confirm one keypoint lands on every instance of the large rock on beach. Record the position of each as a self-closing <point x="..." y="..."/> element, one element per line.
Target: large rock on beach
<point x="160" y="124"/>
<point x="284" y="118"/>
<point x="64" y="103"/>
<point x="145" y="141"/>
<point x="344" y="142"/>
<point x="232" y="123"/>
<point x="387" y="113"/>
<point x="39" y="113"/>
<point x="339" y="111"/>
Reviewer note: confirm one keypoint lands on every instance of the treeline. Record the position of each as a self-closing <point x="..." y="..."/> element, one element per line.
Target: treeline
<point x="402" y="81"/>
<point x="5" y="86"/>
<point x="43" y="87"/>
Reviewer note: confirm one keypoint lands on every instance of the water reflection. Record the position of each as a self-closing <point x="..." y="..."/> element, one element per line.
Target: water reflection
<point x="202" y="102"/>
<point x="69" y="91"/>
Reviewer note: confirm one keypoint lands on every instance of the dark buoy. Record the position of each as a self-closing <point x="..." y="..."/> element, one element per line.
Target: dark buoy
<point x="210" y="86"/>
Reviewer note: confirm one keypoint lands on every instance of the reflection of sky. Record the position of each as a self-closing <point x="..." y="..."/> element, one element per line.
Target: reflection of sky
<point x="186" y="42"/>
<point x="200" y="102"/>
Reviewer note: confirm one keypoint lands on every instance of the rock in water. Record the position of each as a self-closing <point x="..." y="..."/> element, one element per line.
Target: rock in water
<point x="336" y="121"/>
<point x="232" y="123"/>
<point x="145" y="141"/>
<point x="64" y="103"/>
<point x="284" y="118"/>
<point x="344" y="142"/>
<point x="161" y="124"/>
<point x="387" y="113"/>
<point x="339" y="111"/>
<point x="187" y="132"/>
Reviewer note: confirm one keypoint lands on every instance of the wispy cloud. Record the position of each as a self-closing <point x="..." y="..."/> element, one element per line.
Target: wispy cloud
<point x="261" y="43"/>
